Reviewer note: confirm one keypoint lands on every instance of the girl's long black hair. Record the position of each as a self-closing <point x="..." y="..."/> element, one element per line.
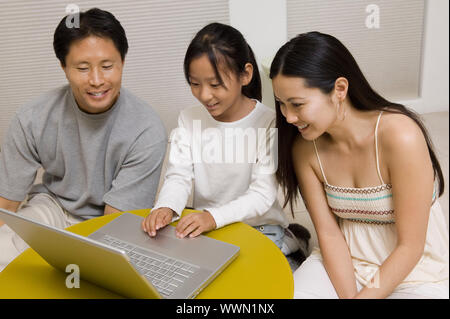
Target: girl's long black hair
<point x="320" y="59"/>
<point x="224" y="44"/>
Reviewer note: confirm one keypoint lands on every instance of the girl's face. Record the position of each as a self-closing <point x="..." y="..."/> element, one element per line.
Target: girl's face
<point x="222" y="101"/>
<point x="310" y="110"/>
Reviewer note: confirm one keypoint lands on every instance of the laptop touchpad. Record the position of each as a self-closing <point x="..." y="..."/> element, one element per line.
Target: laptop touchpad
<point x="127" y="227"/>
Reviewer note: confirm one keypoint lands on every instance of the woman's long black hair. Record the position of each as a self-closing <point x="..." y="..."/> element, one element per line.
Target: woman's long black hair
<point x="320" y="59"/>
<point x="223" y="43"/>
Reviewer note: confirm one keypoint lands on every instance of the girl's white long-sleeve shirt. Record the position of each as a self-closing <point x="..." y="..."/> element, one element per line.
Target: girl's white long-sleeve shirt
<point x="230" y="164"/>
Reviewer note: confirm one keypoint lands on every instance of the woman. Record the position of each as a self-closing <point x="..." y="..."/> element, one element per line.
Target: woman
<point x="367" y="173"/>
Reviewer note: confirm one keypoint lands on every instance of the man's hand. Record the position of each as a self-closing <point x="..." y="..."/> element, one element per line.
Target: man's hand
<point x="10" y="205"/>
<point x="110" y="210"/>
<point x="157" y="219"/>
<point x="195" y="224"/>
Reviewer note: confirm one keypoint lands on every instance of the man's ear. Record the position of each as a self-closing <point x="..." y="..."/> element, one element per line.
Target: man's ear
<point x="247" y="75"/>
<point x="64" y="68"/>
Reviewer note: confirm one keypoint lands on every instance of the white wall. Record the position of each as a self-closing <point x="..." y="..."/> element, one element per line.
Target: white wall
<point x="263" y="23"/>
<point x="434" y="89"/>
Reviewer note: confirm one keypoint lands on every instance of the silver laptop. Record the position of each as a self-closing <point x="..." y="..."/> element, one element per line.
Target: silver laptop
<point x="122" y="258"/>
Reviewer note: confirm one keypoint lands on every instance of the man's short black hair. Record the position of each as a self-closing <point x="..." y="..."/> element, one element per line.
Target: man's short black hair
<point x="94" y="22"/>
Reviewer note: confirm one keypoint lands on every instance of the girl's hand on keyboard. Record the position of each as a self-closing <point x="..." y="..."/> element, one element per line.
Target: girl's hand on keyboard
<point x="195" y="224"/>
<point x="157" y="219"/>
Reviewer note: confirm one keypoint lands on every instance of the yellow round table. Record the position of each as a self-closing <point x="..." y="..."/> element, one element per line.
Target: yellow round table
<point x="259" y="272"/>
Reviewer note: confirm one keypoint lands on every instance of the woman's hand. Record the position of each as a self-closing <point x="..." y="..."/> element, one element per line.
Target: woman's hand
<point x="157" y="219"/>
<point x="195" y="224"/>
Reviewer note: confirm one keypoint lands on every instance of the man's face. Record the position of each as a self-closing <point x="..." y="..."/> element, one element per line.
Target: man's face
<point x="94" y="71"/>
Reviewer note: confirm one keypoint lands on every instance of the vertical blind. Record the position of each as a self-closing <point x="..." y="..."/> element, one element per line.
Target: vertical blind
<point x="389" y="54"/>
<point x="158" y="33"/>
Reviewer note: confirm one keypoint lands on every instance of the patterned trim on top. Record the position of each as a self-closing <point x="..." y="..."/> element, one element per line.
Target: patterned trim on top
<point x="363" y="190"/>
<point x="362" y="216"/>
<point x="356" y="211"/>
<point x="370" y="221"/>
<point x="360" y="199"/>
<point x="435" y="197"/>
<point x="371" y="205"/>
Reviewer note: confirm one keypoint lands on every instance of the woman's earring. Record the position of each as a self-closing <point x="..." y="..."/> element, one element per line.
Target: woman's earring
<point x="342" y="110"/>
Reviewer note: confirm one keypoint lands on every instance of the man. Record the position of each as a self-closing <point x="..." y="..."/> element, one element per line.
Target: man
<point x="101" y="148"/>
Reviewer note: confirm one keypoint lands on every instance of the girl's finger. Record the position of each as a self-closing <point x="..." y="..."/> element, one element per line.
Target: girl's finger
<point x="196" y="232"/>
<point x="183" y="223"/>
<point x="162" y="220"/>
<point x="151" y="223"/>
<point x="189" y="226"/>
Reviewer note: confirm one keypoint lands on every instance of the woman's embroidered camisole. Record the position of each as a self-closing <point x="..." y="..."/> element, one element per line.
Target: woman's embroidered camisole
<point x="367" y="220"/>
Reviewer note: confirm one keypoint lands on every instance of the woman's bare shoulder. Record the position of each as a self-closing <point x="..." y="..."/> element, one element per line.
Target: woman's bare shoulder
<point x="401" y="137"/>
<point x="396" y="129"/>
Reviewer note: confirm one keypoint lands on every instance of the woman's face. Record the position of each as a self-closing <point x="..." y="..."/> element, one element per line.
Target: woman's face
<point x="309" y="109"/>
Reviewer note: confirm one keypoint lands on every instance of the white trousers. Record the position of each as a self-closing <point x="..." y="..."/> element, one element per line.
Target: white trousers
<point x="311" y="281"/>
<point x="42" y="208"/>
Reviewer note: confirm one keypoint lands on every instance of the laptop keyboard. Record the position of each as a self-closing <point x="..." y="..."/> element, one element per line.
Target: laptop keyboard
<point x="165" y="273"/>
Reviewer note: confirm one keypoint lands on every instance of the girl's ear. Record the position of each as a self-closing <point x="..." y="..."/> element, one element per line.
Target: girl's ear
<point x="247" y="74"/>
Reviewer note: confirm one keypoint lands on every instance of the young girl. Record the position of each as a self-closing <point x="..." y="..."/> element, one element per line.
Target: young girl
<point x="222" y="146"/>
<point x="366" y="171"/>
